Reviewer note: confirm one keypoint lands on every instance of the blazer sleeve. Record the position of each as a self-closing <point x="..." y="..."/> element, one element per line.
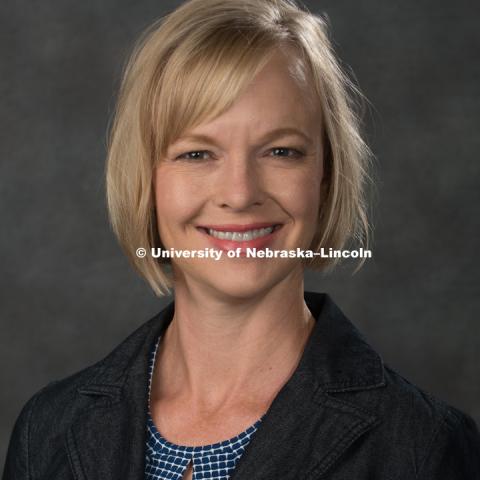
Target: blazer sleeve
<point x="454" y="452"/>
<point x="17" y="461"/>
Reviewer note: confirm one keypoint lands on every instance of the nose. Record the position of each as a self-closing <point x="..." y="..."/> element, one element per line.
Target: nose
<point x="240" y="184"/>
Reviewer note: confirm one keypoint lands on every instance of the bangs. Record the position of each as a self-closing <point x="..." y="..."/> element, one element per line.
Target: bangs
<point x="200" y="83"/>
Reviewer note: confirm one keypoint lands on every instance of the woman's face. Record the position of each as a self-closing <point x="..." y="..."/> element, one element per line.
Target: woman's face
<point x="259" y="164"/>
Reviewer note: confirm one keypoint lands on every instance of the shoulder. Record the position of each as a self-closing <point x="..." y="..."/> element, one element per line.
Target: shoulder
<point x="444" y="440"/>
<point x="48" y="414"/>
<point x="43" y="421"/>
<point x="402" y="397"/>
<point x="55" y="400"/>
<point x="411" y="428"/>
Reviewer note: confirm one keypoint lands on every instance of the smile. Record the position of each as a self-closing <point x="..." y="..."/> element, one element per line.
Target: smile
<point x="241" y="236"/>
<point x="228" y="237"/>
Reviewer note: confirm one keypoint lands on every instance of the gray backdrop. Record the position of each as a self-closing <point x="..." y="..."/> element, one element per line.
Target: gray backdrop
<point x="63" y="275"/>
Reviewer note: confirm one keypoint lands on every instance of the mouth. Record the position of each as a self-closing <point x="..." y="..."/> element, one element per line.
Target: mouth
<point x="229" y="237"/>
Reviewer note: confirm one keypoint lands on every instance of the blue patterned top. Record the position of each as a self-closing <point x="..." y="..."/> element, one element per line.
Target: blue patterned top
<point x="166" y="460"/>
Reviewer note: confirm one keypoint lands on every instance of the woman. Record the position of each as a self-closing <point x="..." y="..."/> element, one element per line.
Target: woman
<point x="235" y="132"/>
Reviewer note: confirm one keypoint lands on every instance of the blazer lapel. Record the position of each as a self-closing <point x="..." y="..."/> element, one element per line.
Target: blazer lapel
<point x="308" y="427"/>
<point x="105" y="443"/>
<point x="301" y="437"/>
<point x="107" y="439"/>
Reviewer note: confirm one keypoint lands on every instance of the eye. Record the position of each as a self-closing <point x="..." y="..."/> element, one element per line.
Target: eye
<point x="193" y="155"/>
<point x="286" y="152"/>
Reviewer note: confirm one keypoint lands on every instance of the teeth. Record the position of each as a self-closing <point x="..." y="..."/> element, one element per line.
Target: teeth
<point x="241" y="236"/>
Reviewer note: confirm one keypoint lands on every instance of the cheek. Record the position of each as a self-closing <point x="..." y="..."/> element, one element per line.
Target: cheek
<point x="176" y="197"/>
<point x="299" y="193"/>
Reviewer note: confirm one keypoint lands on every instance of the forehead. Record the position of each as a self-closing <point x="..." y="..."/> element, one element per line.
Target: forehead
<point x="278" y="96"/>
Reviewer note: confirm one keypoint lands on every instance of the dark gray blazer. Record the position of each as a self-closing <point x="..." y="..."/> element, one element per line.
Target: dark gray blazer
<point x="342" y="415"/>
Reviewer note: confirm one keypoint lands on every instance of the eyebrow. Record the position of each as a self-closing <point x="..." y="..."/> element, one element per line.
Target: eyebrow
<point x="277" y="132"/>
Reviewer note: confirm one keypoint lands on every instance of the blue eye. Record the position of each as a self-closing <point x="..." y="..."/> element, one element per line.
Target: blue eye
<point x="286" y="152"/>
<point x="193" y="155"/>
<point x="197" y="155"/>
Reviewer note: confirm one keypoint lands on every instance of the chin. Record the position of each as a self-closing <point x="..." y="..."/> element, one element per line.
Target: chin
<point x="240" y="291"/>
<point x="245" y="282"/>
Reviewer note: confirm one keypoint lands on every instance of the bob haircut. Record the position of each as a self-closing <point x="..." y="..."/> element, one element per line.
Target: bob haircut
<point x="190" y="67"/>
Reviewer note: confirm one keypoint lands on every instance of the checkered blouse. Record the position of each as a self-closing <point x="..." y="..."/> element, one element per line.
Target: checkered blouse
<point x="165" y="460"/>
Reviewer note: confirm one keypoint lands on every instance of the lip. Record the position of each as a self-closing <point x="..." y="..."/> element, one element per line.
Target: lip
<point x="258" y="243"/>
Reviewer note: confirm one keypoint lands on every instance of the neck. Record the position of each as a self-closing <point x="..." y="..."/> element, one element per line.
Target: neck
<point x="218" y="353"/>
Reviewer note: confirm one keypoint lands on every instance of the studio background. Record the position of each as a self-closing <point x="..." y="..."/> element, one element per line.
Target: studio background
<point x="63" y="275"/>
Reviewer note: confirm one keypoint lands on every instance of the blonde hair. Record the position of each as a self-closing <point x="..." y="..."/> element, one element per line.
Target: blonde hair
<point x="191" y="66"/>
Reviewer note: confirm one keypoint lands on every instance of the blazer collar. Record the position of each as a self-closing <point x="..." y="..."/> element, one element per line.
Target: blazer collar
<point x="336" y="355"/>
<point x="107" y="440"/>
